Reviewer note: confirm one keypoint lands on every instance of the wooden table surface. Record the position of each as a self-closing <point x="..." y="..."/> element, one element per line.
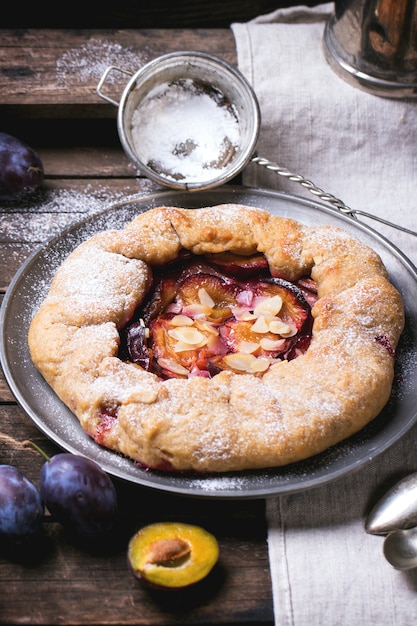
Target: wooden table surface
<point x="48" y="98"/>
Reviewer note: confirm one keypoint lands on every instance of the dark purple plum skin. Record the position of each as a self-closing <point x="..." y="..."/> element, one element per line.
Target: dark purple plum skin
<point x="79" y="494"/>
<point x="21" y="506"/>
<point x="21" y="169"/>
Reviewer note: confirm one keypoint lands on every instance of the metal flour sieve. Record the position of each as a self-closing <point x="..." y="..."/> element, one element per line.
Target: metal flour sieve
<point x="190" y="121"/>
<point x="180" y="100"/>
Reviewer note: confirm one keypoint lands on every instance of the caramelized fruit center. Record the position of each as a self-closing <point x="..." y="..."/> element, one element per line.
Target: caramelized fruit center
<point x="205" y="314"/>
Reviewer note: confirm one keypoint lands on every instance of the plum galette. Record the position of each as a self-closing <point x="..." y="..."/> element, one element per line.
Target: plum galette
<point x="219" y="339"/>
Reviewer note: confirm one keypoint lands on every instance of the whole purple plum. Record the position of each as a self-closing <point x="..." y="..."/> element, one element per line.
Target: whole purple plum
<point x="21" y="169"/>
<point x="79" y="494"/>
<point x="21" y="507"/>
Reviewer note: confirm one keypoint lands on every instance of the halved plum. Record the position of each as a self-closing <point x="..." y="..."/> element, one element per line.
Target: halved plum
<point x="295" y="308"/>
<point x="308" y="288"/>
<point x="239" y="266"/>
<point x="239" y="336"/>
<point x="162" y="295"/>
<point x="172" y="555"/>
<point x="181" y="348"/>
<point x="275" y="323"/>
<point x="209" y="296"/>
<point x="137" y="345"/>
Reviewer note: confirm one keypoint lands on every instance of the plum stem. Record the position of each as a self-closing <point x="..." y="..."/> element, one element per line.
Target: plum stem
<point x="35" y="446"/>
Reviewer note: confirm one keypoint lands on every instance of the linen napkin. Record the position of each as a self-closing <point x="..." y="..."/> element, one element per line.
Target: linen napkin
<point x="326" y="570"/>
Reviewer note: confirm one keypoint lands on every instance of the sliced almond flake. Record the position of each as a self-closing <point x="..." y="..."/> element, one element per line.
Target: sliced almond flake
<point x="248" y="347"/>
<point x="146" y="330"/>
<point x="182" y="320"/>
<point x="269" y="306"/>
<point x="205" y="298"/>
<point x="271" y="344"/>
<point x="246" y="362"/>
<point x="248" y="316"/>
<point x="172" y="366"/>
<point x="291" y="333"/>
<point x="188" y="334"/>
<point x="242" y="313"/>
<point x="260" y="365"/>
<point x="240" y="361"/>
<point x="197" y="311"/>
<point x="207" y="327"/>
<point x="183" y="346"/>
<point x="260" y="326"/>
<point x="278" y="327"/>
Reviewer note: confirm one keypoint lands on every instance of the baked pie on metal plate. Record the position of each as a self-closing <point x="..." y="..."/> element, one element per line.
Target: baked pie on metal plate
<point x="219" y="339"/>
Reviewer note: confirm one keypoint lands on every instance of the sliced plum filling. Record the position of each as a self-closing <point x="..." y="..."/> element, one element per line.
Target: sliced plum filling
<point x="205" y="314"/>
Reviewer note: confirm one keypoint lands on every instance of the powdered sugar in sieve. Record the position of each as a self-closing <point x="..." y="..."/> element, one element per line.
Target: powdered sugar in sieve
<point x="186" y="130"/>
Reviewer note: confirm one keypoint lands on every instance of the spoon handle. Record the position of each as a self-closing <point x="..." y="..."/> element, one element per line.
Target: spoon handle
<point x="326" y="197"/>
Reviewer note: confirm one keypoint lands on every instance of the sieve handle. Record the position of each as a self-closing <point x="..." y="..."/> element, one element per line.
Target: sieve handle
<point x="326" y="197"/>
<point x="111" y="68"/>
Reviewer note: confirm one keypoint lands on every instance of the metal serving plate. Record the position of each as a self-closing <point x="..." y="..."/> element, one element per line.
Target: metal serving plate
<point x="54" y="419"/>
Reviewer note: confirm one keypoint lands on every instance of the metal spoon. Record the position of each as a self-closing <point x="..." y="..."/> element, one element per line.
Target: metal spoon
<point x="400" y="549"/>
<point x="396" y="510"/>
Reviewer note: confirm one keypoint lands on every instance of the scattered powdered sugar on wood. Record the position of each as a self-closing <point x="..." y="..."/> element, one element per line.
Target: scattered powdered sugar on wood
<point x="89" y="61"/>
<point x="48" y="212"/>
<point x="41" y="218"/>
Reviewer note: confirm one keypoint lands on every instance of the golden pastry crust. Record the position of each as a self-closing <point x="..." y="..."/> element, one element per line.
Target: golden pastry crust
<point x="232" y="421"/>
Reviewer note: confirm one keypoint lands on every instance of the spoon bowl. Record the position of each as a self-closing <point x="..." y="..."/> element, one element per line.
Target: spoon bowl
<point x="400" y="549"/>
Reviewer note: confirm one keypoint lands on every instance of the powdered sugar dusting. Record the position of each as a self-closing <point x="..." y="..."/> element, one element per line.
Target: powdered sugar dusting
<point x="220" y="483"/>
<point x="186" y="131"/>
<point x="49" y="211"/>
<point x="90" y="60"/>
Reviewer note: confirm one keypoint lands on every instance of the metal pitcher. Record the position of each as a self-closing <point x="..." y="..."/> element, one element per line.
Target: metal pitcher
<point x="372" y="44"/>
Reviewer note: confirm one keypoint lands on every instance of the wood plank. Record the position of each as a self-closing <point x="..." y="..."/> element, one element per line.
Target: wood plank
<point x="86" y="162"/>
<point x="58" y="579"/>
<point x="57" y="206"/>
<point x="12" y="256"/>
<point x="6" y="395"/>
<point x="52" y="73"/>
<point x="26" y="224"/>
